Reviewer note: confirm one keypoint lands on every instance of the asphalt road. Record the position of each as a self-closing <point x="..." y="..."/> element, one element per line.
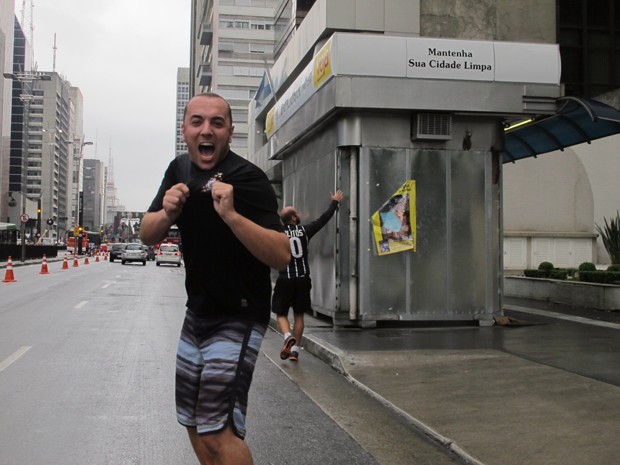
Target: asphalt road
<point x="87" y="378"/>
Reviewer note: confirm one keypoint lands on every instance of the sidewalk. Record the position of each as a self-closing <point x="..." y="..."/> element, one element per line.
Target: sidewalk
<point x="16" y="261"/>
<point x="465" y="390"/>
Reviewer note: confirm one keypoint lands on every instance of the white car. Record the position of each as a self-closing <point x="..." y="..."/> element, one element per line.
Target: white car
<point x="133" y="253"/>
<point x="168" y="254"/>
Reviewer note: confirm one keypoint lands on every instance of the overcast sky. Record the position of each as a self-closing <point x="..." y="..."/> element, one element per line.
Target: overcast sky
<point x="123" y="55"/>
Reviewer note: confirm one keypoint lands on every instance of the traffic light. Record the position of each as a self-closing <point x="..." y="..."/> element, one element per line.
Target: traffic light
<point x="39" y="216"/>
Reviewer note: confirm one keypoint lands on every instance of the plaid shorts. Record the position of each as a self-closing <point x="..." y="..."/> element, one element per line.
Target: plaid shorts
<point x="215" y="364"/>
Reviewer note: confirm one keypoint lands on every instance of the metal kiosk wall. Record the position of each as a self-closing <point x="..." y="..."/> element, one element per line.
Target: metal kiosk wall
<point x="427" y="110"/>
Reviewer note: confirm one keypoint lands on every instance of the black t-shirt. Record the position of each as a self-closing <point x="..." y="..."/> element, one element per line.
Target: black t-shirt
<point x="223" y="279"/>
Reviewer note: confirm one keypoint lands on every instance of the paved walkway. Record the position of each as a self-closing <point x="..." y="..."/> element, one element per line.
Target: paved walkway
<point x="541" y="392"/>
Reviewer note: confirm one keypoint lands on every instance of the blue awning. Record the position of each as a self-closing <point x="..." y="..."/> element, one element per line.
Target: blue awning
<point x="577" y="120"/>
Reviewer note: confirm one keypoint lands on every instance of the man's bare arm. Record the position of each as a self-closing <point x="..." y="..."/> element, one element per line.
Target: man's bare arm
<point x="269" y="246"/>
<point x="155" y="225"/>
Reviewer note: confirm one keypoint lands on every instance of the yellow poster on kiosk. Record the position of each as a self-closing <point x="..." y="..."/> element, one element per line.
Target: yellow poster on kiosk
<point x="394" y="224"/>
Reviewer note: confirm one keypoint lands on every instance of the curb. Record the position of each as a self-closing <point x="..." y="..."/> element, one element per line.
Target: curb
<point x="334" y="356"/>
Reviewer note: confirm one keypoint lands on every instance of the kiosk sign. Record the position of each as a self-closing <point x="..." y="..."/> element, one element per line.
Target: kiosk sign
<point x="450" y="59"/>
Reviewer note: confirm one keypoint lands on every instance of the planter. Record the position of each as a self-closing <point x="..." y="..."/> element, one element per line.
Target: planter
<point x="574" y="293"/>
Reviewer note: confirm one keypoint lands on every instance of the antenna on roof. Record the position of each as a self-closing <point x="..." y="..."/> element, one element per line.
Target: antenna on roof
<point x="54" y="48"/>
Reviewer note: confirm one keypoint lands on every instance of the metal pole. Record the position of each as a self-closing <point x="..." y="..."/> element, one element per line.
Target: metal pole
<point x="23" y="227"/>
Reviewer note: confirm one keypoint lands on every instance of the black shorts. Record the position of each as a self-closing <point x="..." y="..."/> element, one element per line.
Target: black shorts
<point x="291" y="293"/>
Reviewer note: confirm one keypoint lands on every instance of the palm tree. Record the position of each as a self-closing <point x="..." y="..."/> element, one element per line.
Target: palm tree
<point x="611" y="237"/>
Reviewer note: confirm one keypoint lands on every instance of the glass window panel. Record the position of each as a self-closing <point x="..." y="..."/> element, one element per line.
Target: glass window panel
<point x="598" y="39"/>
<point x="598" y="13"/>
<point x="571" y="64"/>
<point x="598" y="69"/>
<point x="571" y="37"/>
<point x="571" y="12"/>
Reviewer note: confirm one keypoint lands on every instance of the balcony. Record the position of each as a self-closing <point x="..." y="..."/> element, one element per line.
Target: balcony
<point x="205" y="34"/>
<point x="205" y="75"/>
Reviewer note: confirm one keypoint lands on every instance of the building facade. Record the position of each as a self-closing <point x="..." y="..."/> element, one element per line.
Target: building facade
<point x="94" y="186"/>
<point x="553" y="203"/>
<point x="354" y="94"/>
<point x="232" y="45"/>
<point x="112" y="204"/>
<point x="180" y="146"/>
<point x="7" y="19"/>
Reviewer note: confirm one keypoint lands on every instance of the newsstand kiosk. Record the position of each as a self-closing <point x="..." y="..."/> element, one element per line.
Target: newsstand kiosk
<point x="373" y="113"/>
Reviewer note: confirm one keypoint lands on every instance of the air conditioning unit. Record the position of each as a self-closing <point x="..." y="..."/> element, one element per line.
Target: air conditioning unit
<point x="431" y="126"/>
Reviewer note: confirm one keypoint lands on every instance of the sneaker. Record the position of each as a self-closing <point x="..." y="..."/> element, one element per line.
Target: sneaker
<point x="293" y="356"/>
<point x="286" y="348"/>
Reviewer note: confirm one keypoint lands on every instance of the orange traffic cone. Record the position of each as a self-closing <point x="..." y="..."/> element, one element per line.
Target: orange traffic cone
<point x="86" y="262"/>
<point x="65" y="264"/>
<point x="9" y="277"/>
<point x="44" y="269"/>
<point x="97" y="257"/>
<point x="75" y="261"/>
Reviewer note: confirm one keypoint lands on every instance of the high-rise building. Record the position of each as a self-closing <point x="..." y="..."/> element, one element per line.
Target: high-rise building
<point x="43" y="137"/>
<point x="7" y="19"/>
<point x="20" y="83"/>
<point x="40" y="171"/>
<point x="112" y="205"/>
<point x="182" y="99"/>
<point x="232" y="45"/>
<point x="93" y="194"/>
<point x="49" y="175"/>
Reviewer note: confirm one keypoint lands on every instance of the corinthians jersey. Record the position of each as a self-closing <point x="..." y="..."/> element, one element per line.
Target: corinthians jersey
<point x="299" y="236"/>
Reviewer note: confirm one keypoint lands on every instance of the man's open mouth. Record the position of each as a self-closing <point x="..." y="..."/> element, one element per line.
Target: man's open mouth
<point x="206" y="149"/>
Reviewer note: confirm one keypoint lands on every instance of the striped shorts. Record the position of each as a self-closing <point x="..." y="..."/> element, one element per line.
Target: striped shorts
<point x="215" y="364"/>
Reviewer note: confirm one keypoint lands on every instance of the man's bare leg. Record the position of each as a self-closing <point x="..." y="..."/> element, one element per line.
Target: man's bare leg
<point x="283" y="324"/>
<point x="298" y="326"/>
<point x="223" y="448"/>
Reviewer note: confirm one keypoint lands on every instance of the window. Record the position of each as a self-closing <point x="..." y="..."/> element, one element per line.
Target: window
<point x="225" y="70"/>
<point x="236" y="94"/>
<point x="588" y="34"/>
<point x="261" y="48"/>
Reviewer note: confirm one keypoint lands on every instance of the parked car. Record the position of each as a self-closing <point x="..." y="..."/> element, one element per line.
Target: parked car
<point x="133" y="253"/>
<point x="168" y="254"/>
<point x="116" y="250"/>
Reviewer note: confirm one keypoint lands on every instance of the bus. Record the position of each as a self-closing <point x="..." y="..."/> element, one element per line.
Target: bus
<point x="87" y="238"/>
<point x="71" y="241"/>
<point x="174" y="236"/>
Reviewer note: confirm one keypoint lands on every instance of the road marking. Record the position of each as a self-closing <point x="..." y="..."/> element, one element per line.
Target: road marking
<point x="13" y="358"/>
<point x="105" y="285"/>
<point x="81" y="304"/>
